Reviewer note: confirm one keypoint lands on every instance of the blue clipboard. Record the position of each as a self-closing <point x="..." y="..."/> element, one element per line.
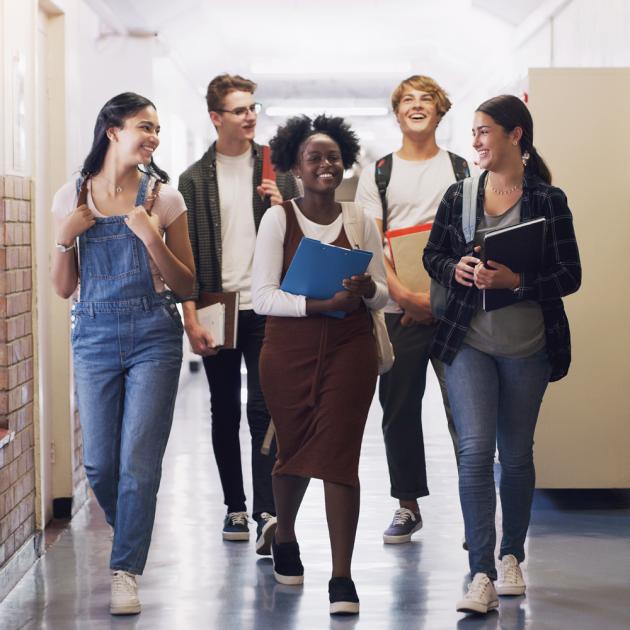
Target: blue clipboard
<point x="318" y="269"/>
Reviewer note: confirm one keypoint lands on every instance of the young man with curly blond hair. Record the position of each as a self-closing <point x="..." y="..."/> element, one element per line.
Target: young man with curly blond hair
<point x="402" y="190"/>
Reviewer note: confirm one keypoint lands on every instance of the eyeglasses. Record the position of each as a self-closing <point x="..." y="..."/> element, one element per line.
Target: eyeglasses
<point x="241" y="112"/>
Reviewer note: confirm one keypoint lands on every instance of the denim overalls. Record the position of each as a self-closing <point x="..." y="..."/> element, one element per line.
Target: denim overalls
<point x="127" y="351"/>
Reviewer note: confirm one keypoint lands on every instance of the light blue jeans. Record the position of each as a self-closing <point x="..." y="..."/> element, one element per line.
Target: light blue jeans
<point x="495" y="403"/>
<point x="126" y="368"/>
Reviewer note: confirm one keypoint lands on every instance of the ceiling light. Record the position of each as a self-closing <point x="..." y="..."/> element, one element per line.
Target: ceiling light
<point x="331" y="111"/>
<point x="309" y="67"/>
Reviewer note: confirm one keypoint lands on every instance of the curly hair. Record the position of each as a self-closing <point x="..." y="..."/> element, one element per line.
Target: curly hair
<point x="424" y="84"/>
<point x="290" y="137"/>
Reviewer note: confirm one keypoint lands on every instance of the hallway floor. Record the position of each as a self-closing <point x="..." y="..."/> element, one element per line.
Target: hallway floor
<point x="578" y="565"/>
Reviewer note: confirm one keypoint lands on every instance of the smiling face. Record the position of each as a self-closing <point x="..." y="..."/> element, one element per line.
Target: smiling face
<point x="320" y="165"/>
<point x="236" y="127"/>
<point x="496" y="147"/>
<point x="417" y="113"/>
<point x="138" y="138"/>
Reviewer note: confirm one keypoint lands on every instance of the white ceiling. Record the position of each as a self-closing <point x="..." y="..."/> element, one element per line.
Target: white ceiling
<point x="329" y="53"/>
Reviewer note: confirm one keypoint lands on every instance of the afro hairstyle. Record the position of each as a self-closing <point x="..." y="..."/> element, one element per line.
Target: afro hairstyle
<point x="290" y="137"/>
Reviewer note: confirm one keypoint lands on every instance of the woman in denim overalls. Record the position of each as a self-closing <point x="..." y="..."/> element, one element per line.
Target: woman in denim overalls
<point x="126" y="330"/>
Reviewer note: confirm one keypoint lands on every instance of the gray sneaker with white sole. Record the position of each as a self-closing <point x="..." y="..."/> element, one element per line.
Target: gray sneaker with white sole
<point x="403" y="525"/>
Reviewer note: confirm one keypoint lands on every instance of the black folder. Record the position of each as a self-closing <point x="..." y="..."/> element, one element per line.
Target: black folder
<point x="519" y="247"/>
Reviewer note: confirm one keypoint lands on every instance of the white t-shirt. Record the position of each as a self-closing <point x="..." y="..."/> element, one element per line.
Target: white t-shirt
<point x="413" y="195"/>
<point x="238" y="231"/>
<point x="168" y="206"/>
<point x="267" y="296"/>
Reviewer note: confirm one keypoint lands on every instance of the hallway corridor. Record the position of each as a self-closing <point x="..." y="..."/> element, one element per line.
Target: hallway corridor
<point x="578" y="565"/>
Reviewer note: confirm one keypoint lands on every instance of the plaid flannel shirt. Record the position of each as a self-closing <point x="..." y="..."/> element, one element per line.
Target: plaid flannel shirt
<point x="561" y="272"/>
<point x="198" y="185"/>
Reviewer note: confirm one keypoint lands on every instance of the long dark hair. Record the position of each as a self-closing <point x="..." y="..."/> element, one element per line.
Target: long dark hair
<point x="113" y="114"/>
<point x="510" y="112"/>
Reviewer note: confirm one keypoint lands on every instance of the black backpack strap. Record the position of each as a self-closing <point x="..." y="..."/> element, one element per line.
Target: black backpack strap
<point x="382" y="175"/>
<point x="460" y="166"/>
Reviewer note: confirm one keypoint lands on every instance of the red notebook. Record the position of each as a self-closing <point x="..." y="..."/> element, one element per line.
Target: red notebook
<point x="268" y="171"/>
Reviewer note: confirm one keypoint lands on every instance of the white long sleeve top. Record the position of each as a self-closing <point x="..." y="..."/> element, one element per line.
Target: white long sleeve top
<point x="268" y="298"/>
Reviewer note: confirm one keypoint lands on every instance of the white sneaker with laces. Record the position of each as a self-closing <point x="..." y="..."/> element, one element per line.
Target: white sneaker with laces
<point x="124" y="599"/>
<point x="481" y="596"/>
<point x="511" y="580"/>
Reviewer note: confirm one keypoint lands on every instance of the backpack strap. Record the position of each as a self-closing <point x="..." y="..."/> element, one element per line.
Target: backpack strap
<point x="469" y="208"/>
<point x="149" y="200"/>
<point x="382" y="175"/>
<point x="81" y="186"/>
<point x="460" y="166"/>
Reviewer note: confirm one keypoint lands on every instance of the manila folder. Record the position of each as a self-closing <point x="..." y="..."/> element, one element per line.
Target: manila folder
<point x="407" y="246"/>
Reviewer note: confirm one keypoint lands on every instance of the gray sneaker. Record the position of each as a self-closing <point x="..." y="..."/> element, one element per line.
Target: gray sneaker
<point x="235" y="526"/>
<point x="404" y="523"/>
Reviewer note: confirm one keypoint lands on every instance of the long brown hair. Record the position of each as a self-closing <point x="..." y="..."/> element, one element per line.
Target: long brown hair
<point x="510" y="112"/>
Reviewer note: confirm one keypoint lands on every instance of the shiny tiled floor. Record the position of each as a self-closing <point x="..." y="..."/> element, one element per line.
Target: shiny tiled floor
<point x="578" y="563"/>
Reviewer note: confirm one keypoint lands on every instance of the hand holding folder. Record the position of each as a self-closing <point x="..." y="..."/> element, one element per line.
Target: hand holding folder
<point x="218" y="313"/>
<point x="319" y="269"/>
<point x="519" y="247"/>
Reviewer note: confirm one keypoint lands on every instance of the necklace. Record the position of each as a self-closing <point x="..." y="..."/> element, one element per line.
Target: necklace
<point x="504" y="191"/>
<point x="117" y="189"/>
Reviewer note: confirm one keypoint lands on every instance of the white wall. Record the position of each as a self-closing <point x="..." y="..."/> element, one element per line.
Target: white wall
<point x="578" y="33"/>
<point x="17" y="46"/>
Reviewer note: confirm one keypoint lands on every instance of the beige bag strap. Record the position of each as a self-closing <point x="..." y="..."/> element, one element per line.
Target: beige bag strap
<point x="265" y="449"/>
<point x="353" y="219"/>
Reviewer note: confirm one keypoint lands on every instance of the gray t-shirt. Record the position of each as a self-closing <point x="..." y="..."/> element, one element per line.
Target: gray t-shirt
<point x="515" y="331"/>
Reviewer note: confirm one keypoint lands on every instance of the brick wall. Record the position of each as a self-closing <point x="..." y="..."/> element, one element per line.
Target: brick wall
<point x="17" y="466"/>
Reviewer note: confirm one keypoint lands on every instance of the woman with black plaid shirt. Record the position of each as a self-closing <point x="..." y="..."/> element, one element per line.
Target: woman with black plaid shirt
<point x="499" y="362"/>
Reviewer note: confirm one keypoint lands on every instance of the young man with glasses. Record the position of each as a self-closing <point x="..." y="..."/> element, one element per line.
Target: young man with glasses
<point x="403" y="190"/>
<point x="226" y="197"/>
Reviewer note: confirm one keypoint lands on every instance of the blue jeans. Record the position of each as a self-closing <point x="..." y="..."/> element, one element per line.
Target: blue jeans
<point x="126" y="369"/>
<point x="495" y="403"/>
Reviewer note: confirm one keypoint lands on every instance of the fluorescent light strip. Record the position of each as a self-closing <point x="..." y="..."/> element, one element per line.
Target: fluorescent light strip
<point x="303" y="67"/>
<point x="331" y="111"/>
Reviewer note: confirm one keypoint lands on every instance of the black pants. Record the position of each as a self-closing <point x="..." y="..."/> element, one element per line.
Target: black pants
<point x="224" y="378"/>
<point x="401" y="391"/>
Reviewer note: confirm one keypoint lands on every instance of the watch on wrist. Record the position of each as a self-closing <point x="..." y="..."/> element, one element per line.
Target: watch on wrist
<point x="62" y="248"/>
<point x="520" y="282"/>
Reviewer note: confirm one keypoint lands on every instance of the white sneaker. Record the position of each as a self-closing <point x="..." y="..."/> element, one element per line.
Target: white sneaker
<point x="511" y="580"/>
<point x="481" y="596"/>
<point x="124" y="600"/>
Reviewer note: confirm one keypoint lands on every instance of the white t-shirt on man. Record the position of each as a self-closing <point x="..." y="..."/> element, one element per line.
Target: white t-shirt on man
<point x="413" y="195"/>
<point x="238" y="231"/>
